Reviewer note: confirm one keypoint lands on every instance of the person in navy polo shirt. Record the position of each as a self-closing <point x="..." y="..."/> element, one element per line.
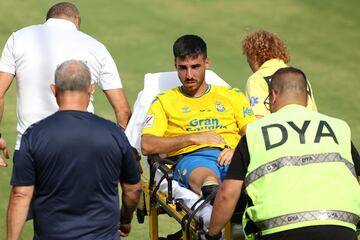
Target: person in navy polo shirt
<point x="70" y="164"/>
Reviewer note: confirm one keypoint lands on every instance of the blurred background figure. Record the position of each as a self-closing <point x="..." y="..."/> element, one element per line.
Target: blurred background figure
<point x="266" y="53"/>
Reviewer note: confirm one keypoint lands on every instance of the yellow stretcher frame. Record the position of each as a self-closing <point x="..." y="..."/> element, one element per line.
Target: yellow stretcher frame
<point x="154" y="207"/>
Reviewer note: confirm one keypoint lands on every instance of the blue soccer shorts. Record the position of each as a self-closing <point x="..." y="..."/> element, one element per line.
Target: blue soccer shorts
<point x="194" y="160"/>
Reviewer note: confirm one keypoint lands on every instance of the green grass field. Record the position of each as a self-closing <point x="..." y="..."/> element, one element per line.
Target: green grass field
<point x="323" y="38"/>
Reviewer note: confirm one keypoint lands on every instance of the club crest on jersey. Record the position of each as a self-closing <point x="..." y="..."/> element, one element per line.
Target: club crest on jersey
<point x="219" y="107"/>
<point x="149" y="121"/>
<point x="185" y="109"/>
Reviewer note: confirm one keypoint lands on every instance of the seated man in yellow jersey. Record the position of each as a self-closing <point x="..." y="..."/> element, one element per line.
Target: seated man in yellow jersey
<point x="266" y="53"/>
<point x="196" y="123"/>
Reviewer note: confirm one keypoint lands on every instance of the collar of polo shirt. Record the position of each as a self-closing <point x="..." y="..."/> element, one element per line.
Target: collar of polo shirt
<point x="60" y="23"/>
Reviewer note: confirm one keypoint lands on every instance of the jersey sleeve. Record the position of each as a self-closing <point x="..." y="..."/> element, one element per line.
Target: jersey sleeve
<point x="23" y="170"/>
<point x="156" y="121"/>
<point x="7" y="61"/>
<point x="256" y="92"/>
<point x="243" y="112"/>
<point x="109" y="76"/>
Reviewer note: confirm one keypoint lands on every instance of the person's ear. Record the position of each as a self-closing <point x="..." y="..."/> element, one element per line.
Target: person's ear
<point x="207" y="63"/>
<point x="53" y="89"/>
<point x="175" y="65"/>
<point x="274" y="100"/>
<point x="77" y="21"/>
<point x="91" y="89"/>
<point x="273" y="97"/>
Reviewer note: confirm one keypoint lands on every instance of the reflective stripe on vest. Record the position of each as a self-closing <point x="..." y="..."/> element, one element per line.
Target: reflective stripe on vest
<point x="308" y="216"/>
<point x="296" y="161"/>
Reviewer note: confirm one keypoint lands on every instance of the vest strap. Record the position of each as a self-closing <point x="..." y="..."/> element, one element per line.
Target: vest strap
<point x="308" y="216"/>
<point x="296" y="161"/>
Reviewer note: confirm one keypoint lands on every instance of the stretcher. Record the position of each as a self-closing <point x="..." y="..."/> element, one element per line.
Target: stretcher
<point x="162" y="194"/>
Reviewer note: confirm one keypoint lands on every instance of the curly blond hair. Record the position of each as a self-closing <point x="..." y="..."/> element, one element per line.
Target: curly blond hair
<point x="261" y="46"/>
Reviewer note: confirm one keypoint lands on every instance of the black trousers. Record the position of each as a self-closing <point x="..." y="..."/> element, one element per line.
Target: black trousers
<point x="321" y="232"/>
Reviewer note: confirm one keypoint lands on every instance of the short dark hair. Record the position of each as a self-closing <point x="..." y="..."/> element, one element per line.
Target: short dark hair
<point x="291" y="82"/>
<point x="189" y="46"/>
<point x="63" y="9"/>
<point x="72" y="75"/>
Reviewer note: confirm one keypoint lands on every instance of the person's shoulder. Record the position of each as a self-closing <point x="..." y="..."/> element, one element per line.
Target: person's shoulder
<point x="28" y="30"/>
<point x="39" y="125"/>
<point x="228" y="91"/>
<point x="338" y="121"/>
<point x="168" y="94"/>
<point x="256" y="78"/>
<point x="91" y="40"/>
<point x="105" y="122"/>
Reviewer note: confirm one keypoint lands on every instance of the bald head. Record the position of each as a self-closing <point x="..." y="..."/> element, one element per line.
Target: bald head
<point x="72" y="75"/>
<point x="288" y="86"/>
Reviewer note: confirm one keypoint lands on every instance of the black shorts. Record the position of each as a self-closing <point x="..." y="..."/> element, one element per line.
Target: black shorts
<point x="322" y="232"/>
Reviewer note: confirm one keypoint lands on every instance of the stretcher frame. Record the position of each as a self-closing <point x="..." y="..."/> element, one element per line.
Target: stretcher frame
<point x="156" y="203"/>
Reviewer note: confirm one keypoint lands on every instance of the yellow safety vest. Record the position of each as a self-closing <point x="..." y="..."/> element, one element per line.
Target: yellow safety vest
<point x="301" y="171"/>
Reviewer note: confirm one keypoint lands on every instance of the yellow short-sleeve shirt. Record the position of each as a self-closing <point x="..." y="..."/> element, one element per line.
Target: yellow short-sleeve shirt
<point x="257" y="88"/>
<point x="224" y="110"/>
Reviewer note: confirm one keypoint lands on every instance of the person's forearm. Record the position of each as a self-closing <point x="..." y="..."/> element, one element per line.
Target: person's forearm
<point x="224" y="205"/>
<point x="5" y="82"/>
<point x="120" y="105"/>
<point x="130" y="199"/>
<point x="123" y="117"/>
<point x="151" y="144"/>
<point x="17" y="211"/>
<point x="221" y="215"/>
<point x="2" y="100"/>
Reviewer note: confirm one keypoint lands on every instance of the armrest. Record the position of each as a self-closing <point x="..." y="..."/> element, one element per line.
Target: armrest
<point x="157" y="163"/>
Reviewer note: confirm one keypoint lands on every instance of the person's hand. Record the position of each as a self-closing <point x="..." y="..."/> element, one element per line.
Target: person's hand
<point x="208" y="138"/>
<point x="225" y="156"/>
<point x="5" y="151"/>
<point x="124" y="229"/>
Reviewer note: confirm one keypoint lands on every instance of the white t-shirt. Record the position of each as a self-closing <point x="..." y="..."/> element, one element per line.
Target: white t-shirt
<point x="33" y="53"/>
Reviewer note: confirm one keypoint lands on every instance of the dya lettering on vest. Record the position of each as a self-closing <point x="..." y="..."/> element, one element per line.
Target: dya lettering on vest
<point x="323" y="130"/>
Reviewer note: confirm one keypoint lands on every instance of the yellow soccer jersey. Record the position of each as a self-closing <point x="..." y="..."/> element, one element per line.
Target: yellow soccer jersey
<point x="257" y="88"/>
<point x="224" y="110"/>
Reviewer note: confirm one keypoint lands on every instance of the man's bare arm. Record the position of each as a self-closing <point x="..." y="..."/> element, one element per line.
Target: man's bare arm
<point x="120" y="105"/>
<point x="224" y="205"/>
<point x="151" y="144"/>
<point x="19" y="202"/>
<point x="243" y="130"/>
<point x="5" y="82"/>
<point x="130" y="198"/>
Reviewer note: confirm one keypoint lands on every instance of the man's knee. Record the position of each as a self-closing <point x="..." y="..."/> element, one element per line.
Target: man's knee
<point x="203" y="174"/>
<point x="203" y="177"/>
